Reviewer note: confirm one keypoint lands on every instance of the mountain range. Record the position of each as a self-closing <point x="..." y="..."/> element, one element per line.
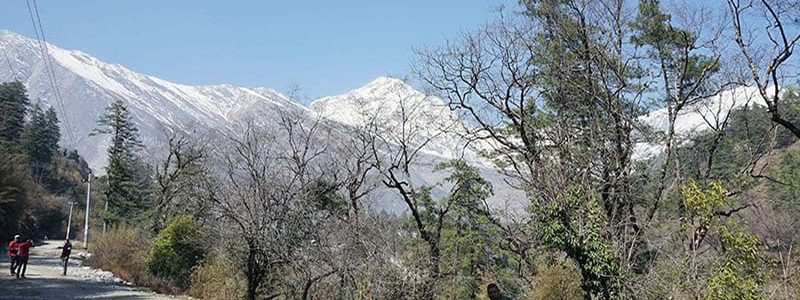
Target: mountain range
<point x="86" y="85"/>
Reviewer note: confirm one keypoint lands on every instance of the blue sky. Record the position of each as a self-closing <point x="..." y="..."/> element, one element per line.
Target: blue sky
<point x="324" y="47"/>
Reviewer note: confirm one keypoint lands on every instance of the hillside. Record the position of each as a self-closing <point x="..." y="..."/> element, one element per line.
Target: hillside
<point x="87" y="85"/>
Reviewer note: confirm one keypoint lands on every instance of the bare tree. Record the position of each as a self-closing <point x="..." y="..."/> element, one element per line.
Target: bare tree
<point x="686" y="58"/>
<point x="178" y="181"/>
<point x="557" y="97"/>
<point x="271" y="194"/>
<point x="398" y="145"/>
<point x="767" y="32"/>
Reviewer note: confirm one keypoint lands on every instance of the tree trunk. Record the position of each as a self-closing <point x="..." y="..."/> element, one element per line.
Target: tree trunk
<point x="253" y="277"/>
<point x="430" y="283"/>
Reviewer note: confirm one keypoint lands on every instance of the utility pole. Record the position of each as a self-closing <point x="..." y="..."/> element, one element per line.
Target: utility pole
<point x="86" y="221"/>
<point x="105" y="210"/>
<point x="69" y="220"/>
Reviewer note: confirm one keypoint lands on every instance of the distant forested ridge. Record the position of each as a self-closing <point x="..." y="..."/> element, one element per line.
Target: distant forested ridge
<point x="38" y="177"/>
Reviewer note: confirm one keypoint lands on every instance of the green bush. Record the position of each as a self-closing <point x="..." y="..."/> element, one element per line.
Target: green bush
<point x="788" y="190"/>
<point x="14" y="189"/>
<point x="176" y="250"/>
<point x="740" y="275"/>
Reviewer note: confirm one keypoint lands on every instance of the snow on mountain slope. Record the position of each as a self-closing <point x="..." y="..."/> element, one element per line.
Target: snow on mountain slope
<point x="388" y="101"/>
<point x="87" y="85"/>
<point x="696" y="118"/>
<point x="381" y="98"/>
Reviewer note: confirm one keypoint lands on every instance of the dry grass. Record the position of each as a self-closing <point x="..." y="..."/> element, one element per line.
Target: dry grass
<point x="124" y="251"/>
<point x="216" y="279"/>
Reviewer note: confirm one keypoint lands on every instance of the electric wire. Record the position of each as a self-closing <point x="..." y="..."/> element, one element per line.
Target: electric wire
<point x="10" y="65"/>
<point x="49" y="70"/>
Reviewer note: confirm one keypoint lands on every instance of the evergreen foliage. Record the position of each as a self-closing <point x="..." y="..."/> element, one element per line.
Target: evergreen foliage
<point x="13" y="192"/>
<point x="13" y="105"/>
<point x="35" y="176"/>
<point x="177" y="249"/>
<point x="668" y="45"/>
<point x="574" y="224"/>
<point x="127" y="176"/>
<point x="556" y="92"/>
<point x="460" y="228"/>
<point x="40" y="140"/>
<point x="789" y="175"/>
<point x="470" y="239"/>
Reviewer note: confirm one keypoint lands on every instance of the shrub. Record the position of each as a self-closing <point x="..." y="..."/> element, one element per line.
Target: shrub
<point x="122" y="251"/>
<point x="789" y="175"/>
<point x="216" y="279"/>
<point x="176" y="250"/>
<point x="558" y="282"/>
<point x="13" y="192"/>
<point x="740" y="274"/>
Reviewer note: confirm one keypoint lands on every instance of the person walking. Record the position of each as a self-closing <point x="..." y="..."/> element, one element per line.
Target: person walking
<point x="22" y="257"/>
<point x="13" y="250"/>
<point x="66" y="250"/>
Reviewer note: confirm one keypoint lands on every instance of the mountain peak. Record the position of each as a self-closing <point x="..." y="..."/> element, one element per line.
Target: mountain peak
<point x="8" y="33"/>
<point x="385" y="96"/>
<point x="384" y="85"/>
<point x="10" y="40"/>
<point x="386" y="80"/>
<point x="85" y="85"/>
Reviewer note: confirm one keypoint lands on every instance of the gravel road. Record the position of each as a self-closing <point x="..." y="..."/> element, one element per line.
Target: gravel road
<point x="44" y="280"/>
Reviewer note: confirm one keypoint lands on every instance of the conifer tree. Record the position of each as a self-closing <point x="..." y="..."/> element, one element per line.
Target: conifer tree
<point x="53" y="132"/>
<point x="125" y="192"/>
<point x="40" y="139"/>
<point x="13" y="104"/>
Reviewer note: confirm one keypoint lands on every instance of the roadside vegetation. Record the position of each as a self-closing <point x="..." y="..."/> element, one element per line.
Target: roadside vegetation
<point x="556" y="88"/>
<point x="38" y="177"/>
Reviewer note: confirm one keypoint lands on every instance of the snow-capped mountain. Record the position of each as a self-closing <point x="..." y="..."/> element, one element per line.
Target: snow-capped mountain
<point x="696" y="118"/>
<point x="399" y="110"/>
<point x="395" y="105"/>
<point x="87" y="85"/>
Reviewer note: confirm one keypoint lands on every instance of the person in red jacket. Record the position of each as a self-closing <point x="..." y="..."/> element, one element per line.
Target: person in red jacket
<point x="13" y="249"/>
<point x="22" y="256"/>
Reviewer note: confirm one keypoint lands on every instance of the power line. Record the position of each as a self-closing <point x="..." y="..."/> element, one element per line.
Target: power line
<point x="13" y="71"/>
<point x="54" y="78"/>
<point x="49" y="70"/>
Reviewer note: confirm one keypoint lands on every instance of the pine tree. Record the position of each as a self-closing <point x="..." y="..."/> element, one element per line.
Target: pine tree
<point x="53" y="132"/>
<point x="126" y="183"/>
<point x="13" y="104"/>
<point x="40" y="140"/>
